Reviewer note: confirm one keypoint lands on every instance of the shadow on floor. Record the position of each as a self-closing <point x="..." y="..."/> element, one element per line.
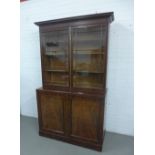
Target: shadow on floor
<point x="33" y="144"/>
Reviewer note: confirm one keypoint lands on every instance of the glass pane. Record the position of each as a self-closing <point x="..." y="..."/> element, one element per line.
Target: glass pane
<point x="87" y="80"/>
<point x="55" y="58"/>
<point x="56" y="78"/>
<point x="88" y="57"/>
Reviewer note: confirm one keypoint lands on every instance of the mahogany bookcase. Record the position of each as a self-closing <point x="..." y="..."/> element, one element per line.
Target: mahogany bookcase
<point x="74" y="65"/>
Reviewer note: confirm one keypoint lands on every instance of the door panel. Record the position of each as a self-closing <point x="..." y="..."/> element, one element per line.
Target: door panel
<point x="85" y="117"/>
<point x="88" y="48"/>
<point x="52" y="112"/>
<point x="55" y="54"/>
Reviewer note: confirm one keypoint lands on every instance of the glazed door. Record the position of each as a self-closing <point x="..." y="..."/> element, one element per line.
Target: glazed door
<point x="88" y="50"/>
<point x="86" y="118"/>
<point x="55" y="59"/>
<point x="51" y="107"/>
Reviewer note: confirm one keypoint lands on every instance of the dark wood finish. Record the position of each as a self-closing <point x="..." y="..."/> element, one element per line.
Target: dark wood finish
<point x="74" y="65"/>
<point x="108" y="15"/>
<point x="52" y="111"/>
<point x="78" y="123"/>
<point x="85" y="117"/>
<point x="23" y="0"/>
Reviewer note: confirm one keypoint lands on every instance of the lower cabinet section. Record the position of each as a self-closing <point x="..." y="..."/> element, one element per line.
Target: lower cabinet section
<point x="74" y="118"/>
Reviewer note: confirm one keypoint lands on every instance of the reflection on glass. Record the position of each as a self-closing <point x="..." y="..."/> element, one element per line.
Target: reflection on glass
<point x="87" y="80"/>
<point x="56" y="78"/>
<point x="56" y="58"/>
<point x="88" y="57"/>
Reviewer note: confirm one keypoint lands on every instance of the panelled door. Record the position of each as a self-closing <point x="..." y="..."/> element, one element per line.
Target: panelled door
<point x="86" y="120"/>
<point x="51" y="106"/>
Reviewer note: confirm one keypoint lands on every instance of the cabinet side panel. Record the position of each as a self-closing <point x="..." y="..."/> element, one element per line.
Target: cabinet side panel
<point x="106" y="55"/>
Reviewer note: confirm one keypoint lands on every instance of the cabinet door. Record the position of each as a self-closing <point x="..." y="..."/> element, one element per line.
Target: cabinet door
<point x="51" y="111"/>
<point x="86" y="119"/>
<point x="55" y="62"/>
<point x="88" y="48"/>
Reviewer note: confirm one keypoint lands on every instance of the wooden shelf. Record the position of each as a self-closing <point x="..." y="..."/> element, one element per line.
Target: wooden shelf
<point x="87" y="85"/>
<point x="88" y="51"/>
<point x="89" y="72"/>
<point x="78" y="51"/>
<point x="57" y="83"/>
<point x="75" y="71"/>
<point x="55" y="70"/>
<point x="84" y="39"/>
<point x="55" y="53"/>
<point x="56" y="42"/>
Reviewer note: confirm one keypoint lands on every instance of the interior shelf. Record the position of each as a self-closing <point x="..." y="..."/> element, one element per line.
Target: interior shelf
<point x="78" y="51"/>
<point x="57" y="83"/>
<point x="87" y="85"/>
<point x="89" y="72"/>
<point x="55" y="53"/>
<point x="84" y="39"/>
<point x="55" y="70"/>
<point x="77" y="71"/>
<point x="88" y="51"/>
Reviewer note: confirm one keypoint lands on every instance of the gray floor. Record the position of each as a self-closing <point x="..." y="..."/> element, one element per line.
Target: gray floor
<point x="33" y="144"/>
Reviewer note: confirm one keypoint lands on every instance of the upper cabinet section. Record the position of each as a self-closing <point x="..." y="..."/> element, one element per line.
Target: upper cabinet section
<point x="74" y="52"/>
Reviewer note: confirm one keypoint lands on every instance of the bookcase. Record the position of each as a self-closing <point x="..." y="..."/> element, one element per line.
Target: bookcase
<point x="74" y="65"/>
